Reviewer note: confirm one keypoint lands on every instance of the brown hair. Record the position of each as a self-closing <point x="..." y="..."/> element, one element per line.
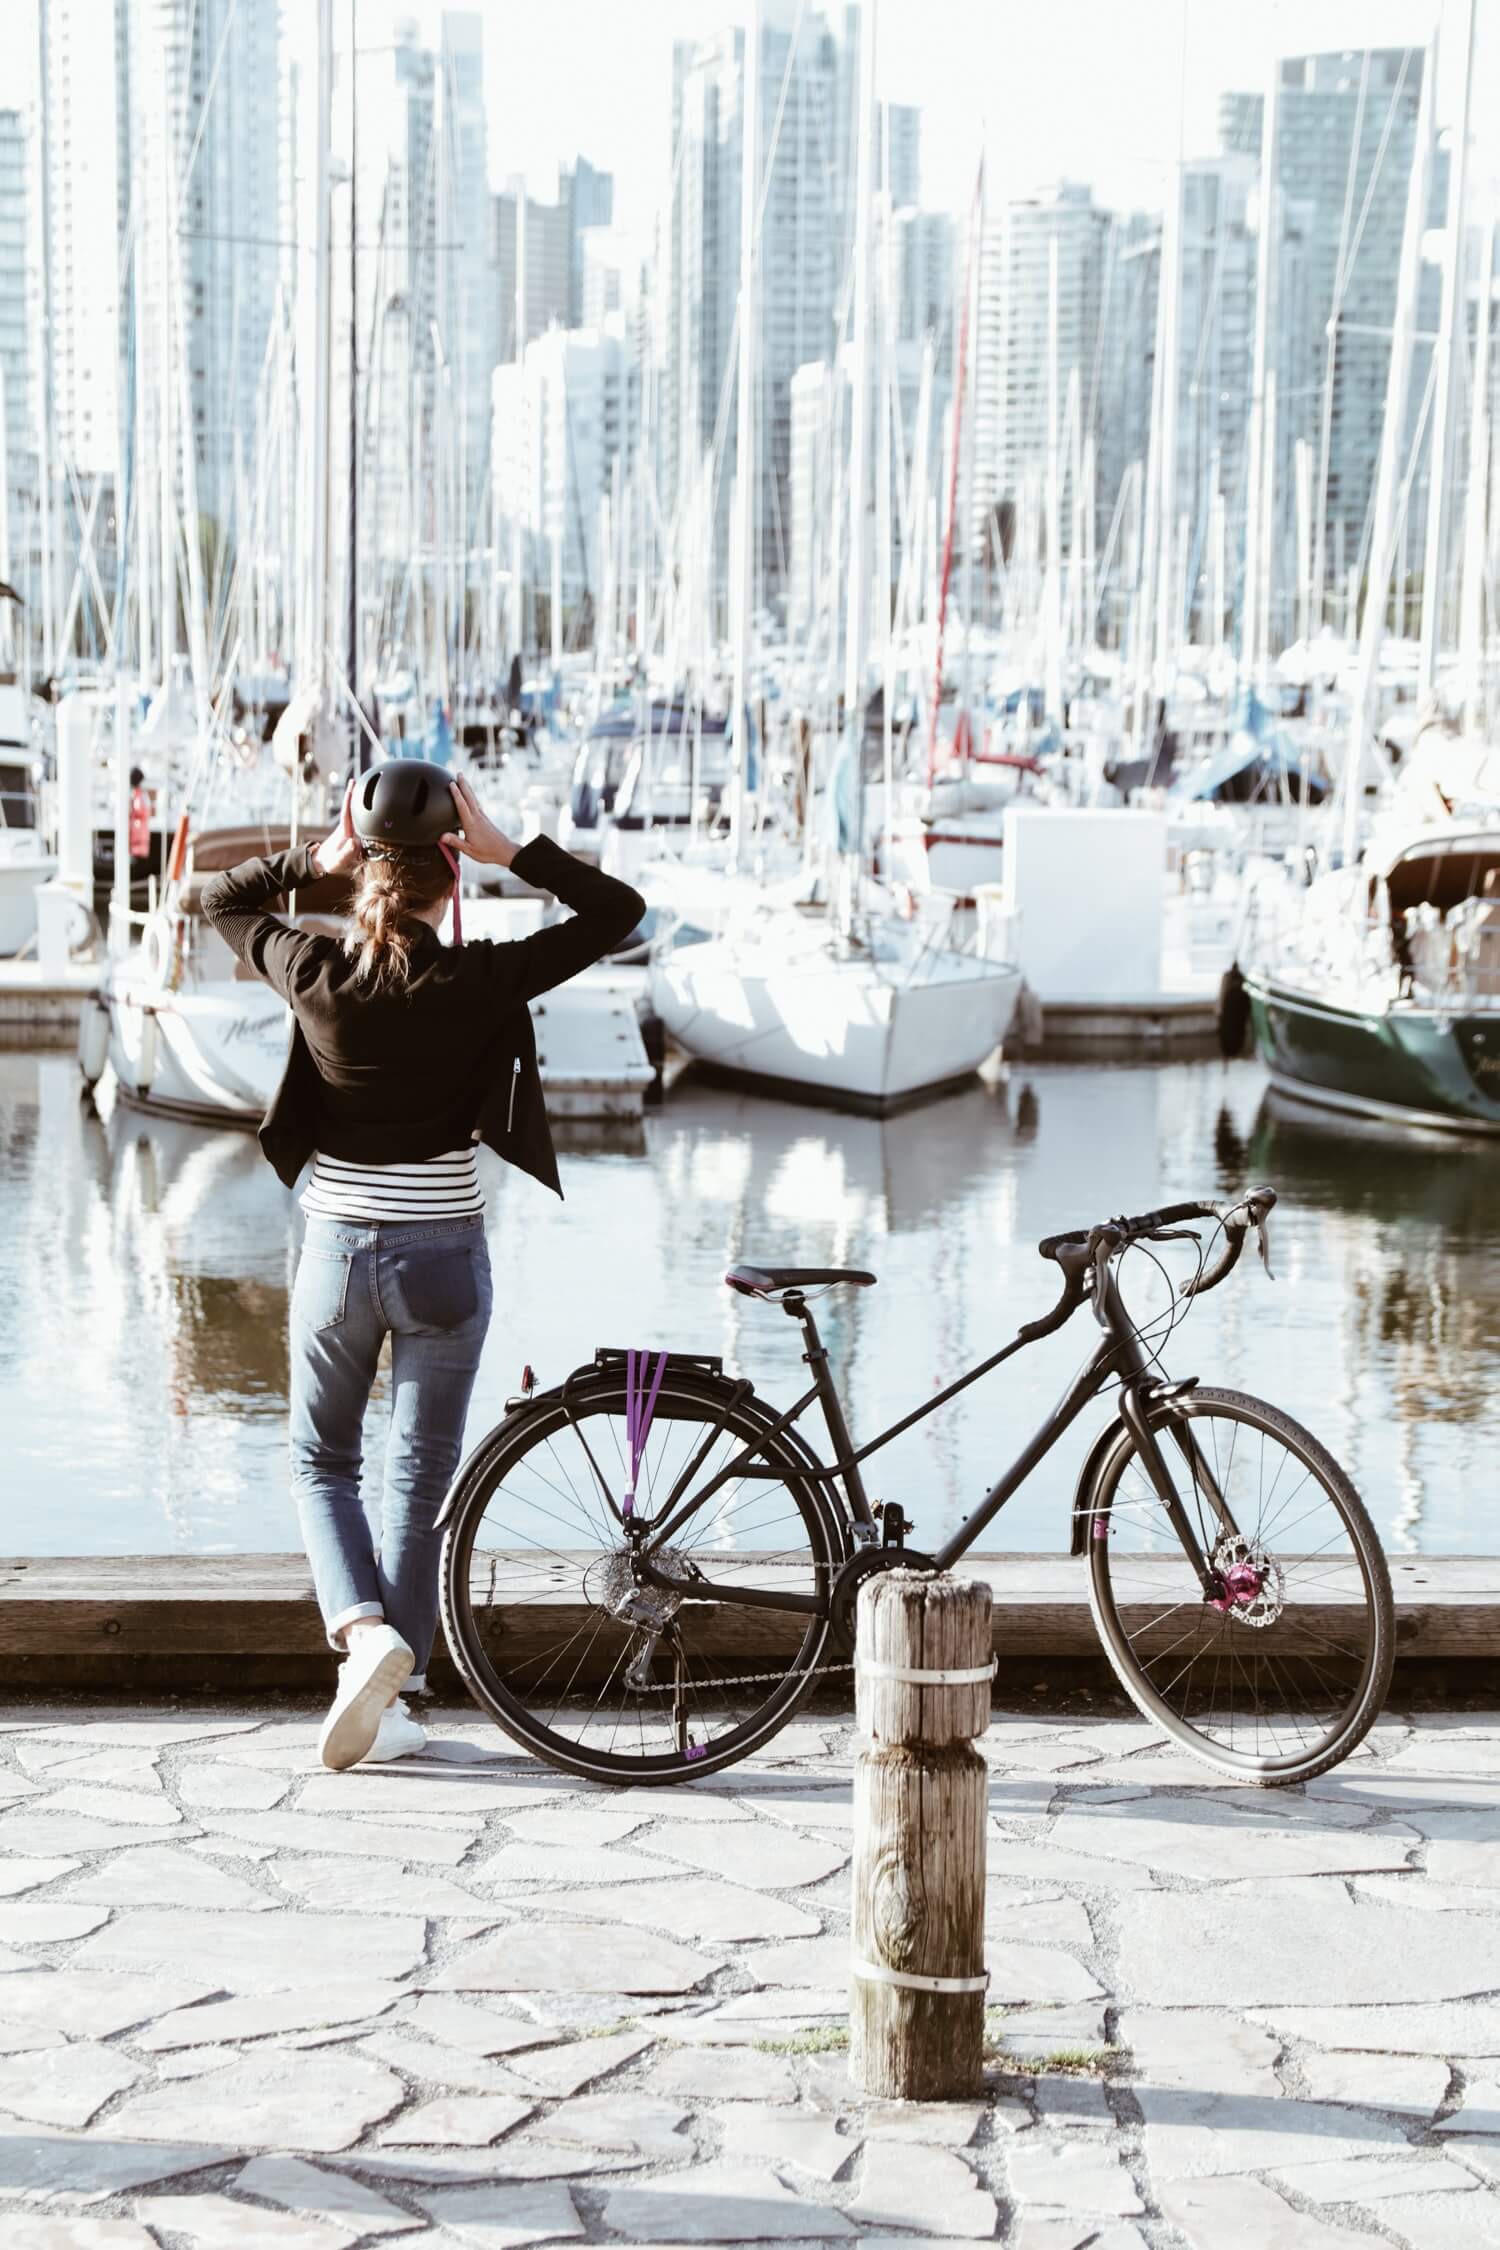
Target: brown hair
<point x="389" y="897"/>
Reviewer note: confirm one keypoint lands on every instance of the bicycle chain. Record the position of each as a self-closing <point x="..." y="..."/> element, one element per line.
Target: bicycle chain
<point x="743" y="1679"/>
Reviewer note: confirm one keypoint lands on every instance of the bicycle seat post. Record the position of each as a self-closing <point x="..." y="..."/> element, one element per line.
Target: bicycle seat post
<point x="816" y="1357"/>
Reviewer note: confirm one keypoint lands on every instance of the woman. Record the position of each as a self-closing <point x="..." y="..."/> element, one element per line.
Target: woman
<point x="404" y="1053"/>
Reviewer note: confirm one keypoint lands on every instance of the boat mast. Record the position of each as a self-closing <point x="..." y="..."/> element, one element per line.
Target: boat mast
<point x="742" y="574"/>
<point x="313" y="358"/>
<point x="1471" y="622"/>
<point x="1452" y="314"/>
<point x="1388" y="478"/>
<point x="958" y="415"/>
<point x="857" y="634"/>
<point x="521" y="443"/>
<point x="359" y="751"/>
<point x="1251" y="621"/>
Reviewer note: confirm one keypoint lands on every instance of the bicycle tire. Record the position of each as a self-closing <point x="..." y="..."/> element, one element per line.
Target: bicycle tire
<point x="501" y="1684"/>
<point x="1277" y="1655"/>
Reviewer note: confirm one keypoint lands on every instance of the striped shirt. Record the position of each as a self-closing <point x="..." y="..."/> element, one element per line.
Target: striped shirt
<point x="438" y="1187"/>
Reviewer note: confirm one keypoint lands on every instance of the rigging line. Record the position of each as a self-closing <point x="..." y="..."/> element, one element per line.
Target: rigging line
<point x="207" y="102"/>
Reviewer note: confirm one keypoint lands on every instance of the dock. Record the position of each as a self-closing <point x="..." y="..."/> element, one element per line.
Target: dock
<point x="203" y="1622"/>
<point x="41" y="1007"/>
<point x="1160" y="1024"/>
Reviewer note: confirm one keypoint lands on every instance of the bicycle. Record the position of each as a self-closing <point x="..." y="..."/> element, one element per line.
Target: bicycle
<point x="614" y="1526"/>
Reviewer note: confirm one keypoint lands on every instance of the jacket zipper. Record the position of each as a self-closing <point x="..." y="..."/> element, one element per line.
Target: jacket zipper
<point x="515" y="1080"/>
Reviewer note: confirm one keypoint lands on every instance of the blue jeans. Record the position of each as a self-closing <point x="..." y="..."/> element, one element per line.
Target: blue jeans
<point x="427" y="1286"/>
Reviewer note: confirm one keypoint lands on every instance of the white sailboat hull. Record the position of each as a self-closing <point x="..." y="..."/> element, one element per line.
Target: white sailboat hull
<point x="834" y="1029"/>
<point x="216" y="1053"/>
<point x="18" y="887"/>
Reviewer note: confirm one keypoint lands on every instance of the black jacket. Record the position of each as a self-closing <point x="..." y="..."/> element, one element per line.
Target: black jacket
<point x="387" y="1076"/>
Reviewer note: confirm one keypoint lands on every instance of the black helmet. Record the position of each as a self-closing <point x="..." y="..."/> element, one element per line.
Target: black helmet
<point x="404" y="805"/>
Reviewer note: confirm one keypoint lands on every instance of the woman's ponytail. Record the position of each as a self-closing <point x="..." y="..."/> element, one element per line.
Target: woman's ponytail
<point x="390" y="893"/>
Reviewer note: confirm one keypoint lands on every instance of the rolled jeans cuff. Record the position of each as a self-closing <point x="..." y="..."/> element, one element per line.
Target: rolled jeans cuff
<point x="347" y="1617"/>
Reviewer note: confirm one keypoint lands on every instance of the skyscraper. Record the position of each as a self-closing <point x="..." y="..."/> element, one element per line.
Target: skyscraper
<point x="468" y="311"/>
<point x="564" y="415"/>
<point x="1346" y="129"/>
<point x="588" y="196"/>
<point x="798" y="263"/>
<point x="549" y="265"/>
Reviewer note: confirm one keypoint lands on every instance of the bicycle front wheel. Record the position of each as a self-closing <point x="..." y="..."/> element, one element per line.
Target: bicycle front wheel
<point x="1280" y="1672"/>
<point x="558" y="1640"/>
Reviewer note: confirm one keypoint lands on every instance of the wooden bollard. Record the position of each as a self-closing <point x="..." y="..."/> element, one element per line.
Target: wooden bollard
<point x="922" y="1695"/>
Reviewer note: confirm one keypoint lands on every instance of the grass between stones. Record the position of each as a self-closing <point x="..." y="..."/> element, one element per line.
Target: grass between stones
<point x="818" y="2039"/>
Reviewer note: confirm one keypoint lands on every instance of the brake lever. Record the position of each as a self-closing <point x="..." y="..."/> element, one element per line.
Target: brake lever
<point x="1175" y="1234"/>
<point x="1263" y="1245"/>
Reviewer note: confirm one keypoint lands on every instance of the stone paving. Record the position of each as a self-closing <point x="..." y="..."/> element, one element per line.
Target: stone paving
<point x="465" y="2001"/>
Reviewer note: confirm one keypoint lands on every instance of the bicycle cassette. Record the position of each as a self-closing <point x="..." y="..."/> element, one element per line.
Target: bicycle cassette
<point x="611" y="1585"/>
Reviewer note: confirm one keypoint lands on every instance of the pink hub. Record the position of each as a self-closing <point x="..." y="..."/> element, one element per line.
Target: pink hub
<point x="1242" y="1583"/>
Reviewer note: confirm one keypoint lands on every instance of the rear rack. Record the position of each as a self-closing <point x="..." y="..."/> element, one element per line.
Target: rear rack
<point x="688" y="1363"/>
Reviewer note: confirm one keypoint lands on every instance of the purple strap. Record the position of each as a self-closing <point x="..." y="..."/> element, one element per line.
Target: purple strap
<point x="640" y="1405"/>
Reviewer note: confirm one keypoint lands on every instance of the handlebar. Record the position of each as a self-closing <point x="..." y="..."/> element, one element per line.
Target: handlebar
<point x="1091" y="1244"/>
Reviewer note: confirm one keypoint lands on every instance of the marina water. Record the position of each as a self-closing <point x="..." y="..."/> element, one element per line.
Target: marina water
<point x="145" y="1268"/>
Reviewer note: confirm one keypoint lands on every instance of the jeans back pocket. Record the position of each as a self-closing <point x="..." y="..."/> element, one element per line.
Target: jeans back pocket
<point x="438" y="1284"/>
<point x="321" y="1291"/>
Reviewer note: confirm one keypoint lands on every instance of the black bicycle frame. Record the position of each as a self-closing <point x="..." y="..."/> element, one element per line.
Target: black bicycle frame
<point x="1120" y="1356"/>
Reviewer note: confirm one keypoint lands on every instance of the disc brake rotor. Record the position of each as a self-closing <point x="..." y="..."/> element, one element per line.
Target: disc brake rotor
<point x="1252" y="1581"/>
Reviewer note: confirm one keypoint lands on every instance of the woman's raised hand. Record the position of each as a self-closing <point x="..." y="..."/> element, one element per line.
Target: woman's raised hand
<point x="340" y="850"/>
<point x="480" y="839"/>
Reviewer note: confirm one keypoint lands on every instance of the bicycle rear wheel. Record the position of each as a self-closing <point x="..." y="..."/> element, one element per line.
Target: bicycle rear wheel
<point x="567" y="1652"/>
<point x="1281" y="1675"/>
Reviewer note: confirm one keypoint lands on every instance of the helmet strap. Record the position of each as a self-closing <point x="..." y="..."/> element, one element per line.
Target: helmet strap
<point x="458" y="918"/>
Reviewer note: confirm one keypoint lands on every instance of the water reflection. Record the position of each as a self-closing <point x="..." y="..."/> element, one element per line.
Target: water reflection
<point x="145" y="1269"/>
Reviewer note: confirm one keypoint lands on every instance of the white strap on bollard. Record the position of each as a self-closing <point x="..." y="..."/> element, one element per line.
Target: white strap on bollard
<point x="875" y="1972"/>
<point x="970" y="1676"/>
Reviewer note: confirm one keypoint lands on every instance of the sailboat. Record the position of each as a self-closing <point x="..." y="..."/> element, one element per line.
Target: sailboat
<point x="838" y="1001"/>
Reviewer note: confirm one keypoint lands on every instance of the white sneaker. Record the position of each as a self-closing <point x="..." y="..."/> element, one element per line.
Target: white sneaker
<point x="398" y="1736"/>
<point x="376" y="1666"/>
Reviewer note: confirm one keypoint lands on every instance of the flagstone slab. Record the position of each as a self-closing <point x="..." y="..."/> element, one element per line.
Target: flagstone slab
<point x="929" y="2190"/>
<point x="457" y="2121"/>
<point x="226" y="1847"/>
<point x="1042" y="2229"/>
<point x="819" y="1962"/>
<point x="1081" y="2178"/>
<point x="780" y="2134"/>
<point x="628" y="2123"/>
<point x="220" y="2222"/>
<point x="562" y="1864"/>
<point x="432" y="2064"/>
<point x="710" y="1910"/>
<point x="26" y="2039"/>
<point x="1207" y="1843"/>
<point x="1036" y="1973"/>
<point x="1213" y="2213"/>
<point x="723" y="2074"/>
<point x="584" y="1825"/>
<point x="1479" y="2111"/>
<point x="85" y="2170"/>
<point x="719" y="2203"/>
<point x="125" y="1769"/>
<point x="281" y="2101"/>
<point x="94" y="2003"/>
<point x="808" y="1808"/>
<point x="479" y="2030"/>
<point x="1195" y="2135"/>
<point x="75" y="2232"/>
<point x="130" y="1808"/>
<point x="257" y="1952"/>
<point x="505" y="2218"/>
<point x="343" y="1886"/>
<point x="307" y="2188"/>
<point x="564" y="2071"/>
<point x="772" y="1859"/>
<point x="50" y="1834"/>
<point x="1474" y="1862"/>
<point x="64" y="2085"/>
<point x="1444" y="2222"/>
<point x="226" y="1787"/>
<point x="165" y="1875"/>
<point x="413" y="1788"/>
<point x="1414" y="2083"/>
<point x="1065" y="2102"/>
<point x="1477" y="2154"/>
<point x="1371" y="2179"/>
<point x="165" y="1733"/>
<point x="581" y="1957"/>
<point x="1054" y="1921"/>
<point x="29" y="1874"/>
<point x="48" y="1922"/>
<point x="261" y="2015"/>
<point x="1176" y="1949"/>
<point x="1033" y="1862"/>
<point x="1205" y="2049"/>
<point x="717" y="1801"/>
<point x="939" y="2124"/>
<point x="370" y="1839"/>
<point x="1454" y="2028"/>
<point x="1419" y="1890"/>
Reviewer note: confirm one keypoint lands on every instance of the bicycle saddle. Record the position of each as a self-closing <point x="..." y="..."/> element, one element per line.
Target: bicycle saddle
<point x="769" y="1281"/>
